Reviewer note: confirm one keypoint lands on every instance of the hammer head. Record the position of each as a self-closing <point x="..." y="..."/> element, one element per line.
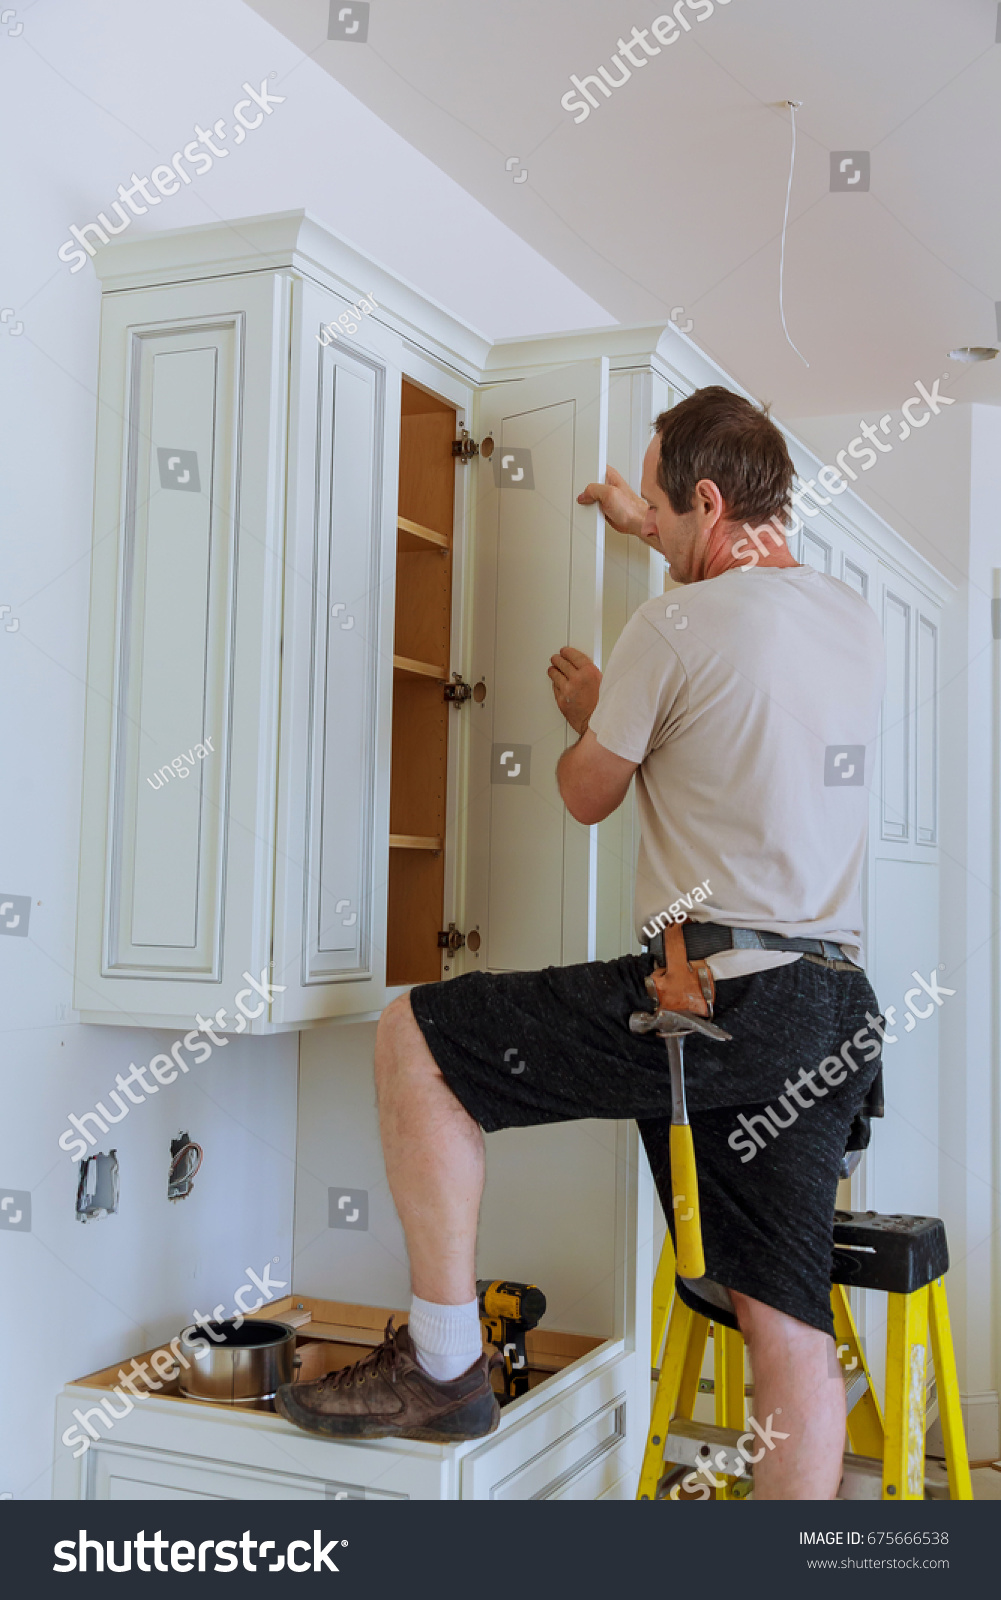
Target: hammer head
<point x="674" y="1025"/>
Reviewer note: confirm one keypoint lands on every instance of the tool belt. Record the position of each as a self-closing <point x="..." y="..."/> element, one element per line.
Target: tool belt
<point x="703" y="939"/>
<point x="685" y="983"/>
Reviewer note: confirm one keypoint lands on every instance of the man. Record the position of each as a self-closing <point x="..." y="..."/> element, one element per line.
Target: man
<point x="728" y="709"/>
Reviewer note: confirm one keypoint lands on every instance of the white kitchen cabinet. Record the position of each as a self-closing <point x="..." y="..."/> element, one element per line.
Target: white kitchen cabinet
<point x="291" y="570"/>
<point x="577" y="1434"/>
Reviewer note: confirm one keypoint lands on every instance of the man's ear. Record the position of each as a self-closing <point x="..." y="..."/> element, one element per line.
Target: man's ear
<point x="709" y="500"/>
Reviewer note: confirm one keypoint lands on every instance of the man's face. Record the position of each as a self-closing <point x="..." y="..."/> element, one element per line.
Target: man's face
<point x="665" y="530"/>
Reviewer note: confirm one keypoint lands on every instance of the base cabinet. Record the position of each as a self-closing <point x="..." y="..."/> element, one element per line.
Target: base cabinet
<point x="576" y="1438"/>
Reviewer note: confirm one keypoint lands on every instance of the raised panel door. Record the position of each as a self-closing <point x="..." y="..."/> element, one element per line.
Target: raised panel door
<point x="532" y="868"/>
<point x="177" y="834"/>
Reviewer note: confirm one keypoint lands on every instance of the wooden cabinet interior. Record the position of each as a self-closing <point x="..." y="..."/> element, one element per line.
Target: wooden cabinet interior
<point x="334" y="1333"/>
<point x="420" y="668"/>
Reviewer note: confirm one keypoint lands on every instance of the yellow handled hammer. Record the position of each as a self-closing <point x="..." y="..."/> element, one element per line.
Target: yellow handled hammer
<point x="673" y="1027"/>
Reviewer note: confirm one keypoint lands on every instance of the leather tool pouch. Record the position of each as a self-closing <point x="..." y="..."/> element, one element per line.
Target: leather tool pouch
<point x="680" y="984"/>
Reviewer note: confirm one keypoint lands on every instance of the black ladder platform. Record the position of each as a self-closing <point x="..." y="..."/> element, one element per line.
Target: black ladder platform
<point x="897" y="1254"/>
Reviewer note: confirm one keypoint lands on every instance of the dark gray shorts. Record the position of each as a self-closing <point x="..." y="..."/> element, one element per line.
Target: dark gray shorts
<point x="523" y="1048"/>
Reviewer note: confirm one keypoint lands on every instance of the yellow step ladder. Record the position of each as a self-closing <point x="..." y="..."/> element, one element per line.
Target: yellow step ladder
<point x="905" y="1257"/>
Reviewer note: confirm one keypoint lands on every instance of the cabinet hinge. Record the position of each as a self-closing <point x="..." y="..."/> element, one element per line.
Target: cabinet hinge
<point x="465" y="447"/>
<point x="457" y="692"/>
<point x="451" y="939"/>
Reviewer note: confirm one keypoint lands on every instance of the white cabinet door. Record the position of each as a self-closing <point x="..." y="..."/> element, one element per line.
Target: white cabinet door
<point x="178" y="809"/>
<point x="532" y="880"/>
<point x="333" y="802"/>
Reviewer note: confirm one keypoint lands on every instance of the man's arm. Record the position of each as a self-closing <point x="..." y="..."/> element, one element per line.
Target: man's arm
<point x="592" y="781"/>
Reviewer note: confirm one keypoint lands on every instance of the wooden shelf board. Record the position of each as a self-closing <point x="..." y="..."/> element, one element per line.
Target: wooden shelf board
<point x="419" y="669"/>
<point x="417" y="537"/>
<point x="413" y="841"/>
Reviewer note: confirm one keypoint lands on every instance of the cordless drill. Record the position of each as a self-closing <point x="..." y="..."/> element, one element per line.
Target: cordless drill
<point x="508" y="1311"/>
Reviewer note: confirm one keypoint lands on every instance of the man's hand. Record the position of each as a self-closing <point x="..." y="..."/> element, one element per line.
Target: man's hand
<point x="623" y="510"/>
<point x="576" y="681"/>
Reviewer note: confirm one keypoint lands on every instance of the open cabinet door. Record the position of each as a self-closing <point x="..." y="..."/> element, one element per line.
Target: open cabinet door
<point x="531" y="873"/>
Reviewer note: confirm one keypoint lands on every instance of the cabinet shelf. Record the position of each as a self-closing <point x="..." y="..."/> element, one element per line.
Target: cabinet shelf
<point x="409" y="668"/>
<point x="413" y="536"/>
<point x="413" y="841"/>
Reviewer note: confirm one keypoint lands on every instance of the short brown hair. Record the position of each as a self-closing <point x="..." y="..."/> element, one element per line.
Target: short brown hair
<point x="719" y="435"/>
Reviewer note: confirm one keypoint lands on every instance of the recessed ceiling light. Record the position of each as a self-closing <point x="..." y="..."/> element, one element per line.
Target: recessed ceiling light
<point x="973" y="352"/>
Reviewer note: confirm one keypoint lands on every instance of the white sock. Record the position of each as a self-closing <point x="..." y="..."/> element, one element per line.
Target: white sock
<point x="446" y="1339"/>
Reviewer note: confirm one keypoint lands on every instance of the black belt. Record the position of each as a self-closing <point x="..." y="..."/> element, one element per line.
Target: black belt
<point x="710" y="938"/>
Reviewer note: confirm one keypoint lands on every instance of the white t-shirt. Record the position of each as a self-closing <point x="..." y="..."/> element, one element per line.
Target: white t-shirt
<point x="737" y="695"/>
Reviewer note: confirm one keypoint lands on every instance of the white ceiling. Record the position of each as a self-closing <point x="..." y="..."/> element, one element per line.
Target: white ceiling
<point x="671" y="192"/>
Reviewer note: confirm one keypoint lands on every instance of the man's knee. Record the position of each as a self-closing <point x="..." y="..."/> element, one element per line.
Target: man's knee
<point x="398" y="1013"/>
<point x="744" y="1310"/>
<point x="761" y="1323"/>
<point x="392" y="1023"/>
<point x="398" y="1042"/>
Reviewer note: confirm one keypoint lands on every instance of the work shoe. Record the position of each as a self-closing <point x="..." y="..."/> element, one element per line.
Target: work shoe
<point x="389" y="1395"/>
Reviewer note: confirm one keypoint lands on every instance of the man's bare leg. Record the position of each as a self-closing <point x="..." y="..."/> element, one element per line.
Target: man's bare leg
<point x="798" y="1383"/>
<point x="434" y="1160"/>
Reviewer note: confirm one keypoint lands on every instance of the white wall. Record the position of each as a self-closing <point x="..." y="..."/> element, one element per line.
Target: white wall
<point x="78" y="1296"/>
<point x="107" y="90"/>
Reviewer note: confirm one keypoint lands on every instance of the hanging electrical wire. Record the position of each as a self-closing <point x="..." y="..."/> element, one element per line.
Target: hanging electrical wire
<point x="792" y="104"/>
